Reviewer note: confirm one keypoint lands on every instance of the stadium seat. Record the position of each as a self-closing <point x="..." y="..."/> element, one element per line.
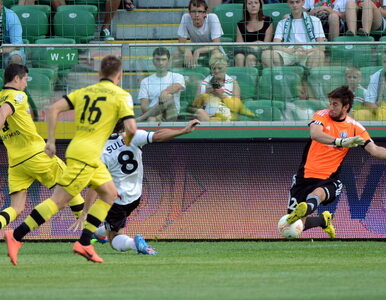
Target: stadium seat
<point x="367" y="72"/>
<point x="10" y="3"/>
<point x="299" y="70"/>
<point x="192" y="82"/>
<point x="299" y="110"/>
<point x="278" y="85"/>
<point x="202" y="70"/>
<point x="90" y="8"/>
<point x="75" y="24"/>
<point x="44" y="8"/>
<point x="34" y="22"/>
<point x="276" y="11"/>
<point x="97" y="3"/>
<point x="264" y="110"/>
<point x="229" y="15"/>
<point x="323" y="80"/>
<point x="246" y="81"/>
<point x="355" y="55"/>
<point x="40" y="87"/>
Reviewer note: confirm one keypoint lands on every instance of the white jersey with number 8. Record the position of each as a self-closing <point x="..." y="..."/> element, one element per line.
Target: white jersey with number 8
<point x="125" y="165"/>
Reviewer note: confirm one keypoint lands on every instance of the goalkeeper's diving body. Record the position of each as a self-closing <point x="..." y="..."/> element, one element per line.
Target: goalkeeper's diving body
<point x="333" y="132"/>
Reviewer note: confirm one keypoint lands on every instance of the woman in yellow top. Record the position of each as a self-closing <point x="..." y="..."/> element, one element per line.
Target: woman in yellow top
<point x="219" y="95"/>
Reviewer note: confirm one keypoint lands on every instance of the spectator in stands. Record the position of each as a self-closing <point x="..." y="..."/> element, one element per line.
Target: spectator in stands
<point x="255" y="27"/>
<point x="324" y="10"/>
<point x="159" y="93"/>
<point x="200" y="27"/>
<point x="213" y="3"/>
<point x="11" y="32"/>
<point x="299" y="27"/>
<point x="54" y="3"/>
<point x="111" y="7"/>
<point x="353" y="77"/>
<point x="367" y="11"/>
<point x="219" y="95"/>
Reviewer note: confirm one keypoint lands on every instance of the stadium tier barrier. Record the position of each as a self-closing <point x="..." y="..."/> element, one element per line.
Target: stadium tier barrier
<point x="237" y="190"/>
<point x="274" y="95"/>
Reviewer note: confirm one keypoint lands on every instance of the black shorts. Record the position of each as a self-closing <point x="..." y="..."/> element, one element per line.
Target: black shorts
<point x="116" y="218"/>
<point x="301" y="187"/>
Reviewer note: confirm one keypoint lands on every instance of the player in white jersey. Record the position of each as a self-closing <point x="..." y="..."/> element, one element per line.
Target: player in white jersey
<point x="125" y="166"/>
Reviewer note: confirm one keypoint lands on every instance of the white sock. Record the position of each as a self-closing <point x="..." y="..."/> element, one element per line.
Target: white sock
<point x="123" y="243"/>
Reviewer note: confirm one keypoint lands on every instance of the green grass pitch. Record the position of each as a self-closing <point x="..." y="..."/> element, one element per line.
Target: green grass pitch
<point x="200" y="270"/>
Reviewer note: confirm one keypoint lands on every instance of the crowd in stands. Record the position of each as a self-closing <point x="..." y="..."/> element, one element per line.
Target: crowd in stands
<point x="219" y="95"/>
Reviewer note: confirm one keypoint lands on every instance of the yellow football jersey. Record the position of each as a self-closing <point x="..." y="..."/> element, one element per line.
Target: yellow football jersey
<point x="19" y="132"/>
<point x="97" y="107"/>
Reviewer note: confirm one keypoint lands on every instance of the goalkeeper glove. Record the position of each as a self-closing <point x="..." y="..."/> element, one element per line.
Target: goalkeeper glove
<point x="349" y="142"/>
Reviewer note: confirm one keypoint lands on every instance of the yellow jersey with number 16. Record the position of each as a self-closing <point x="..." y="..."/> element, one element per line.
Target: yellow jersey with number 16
<point x="19" y="133"/>
<point x="97" y="107"/>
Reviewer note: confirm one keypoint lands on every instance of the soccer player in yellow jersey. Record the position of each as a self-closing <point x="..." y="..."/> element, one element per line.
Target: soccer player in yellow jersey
<point x="25" y="147"/>
<point x="98" y="108"/>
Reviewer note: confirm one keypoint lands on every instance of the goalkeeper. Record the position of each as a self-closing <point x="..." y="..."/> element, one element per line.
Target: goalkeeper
<point x="333" y="132"/>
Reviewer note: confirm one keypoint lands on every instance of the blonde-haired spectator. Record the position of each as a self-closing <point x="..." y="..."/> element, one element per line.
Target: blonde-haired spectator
<point x="219" y="95"/>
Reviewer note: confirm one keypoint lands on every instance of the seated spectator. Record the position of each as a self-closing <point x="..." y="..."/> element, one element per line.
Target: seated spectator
<point x="200" y="27"/>
<point x="159" y="93"/>
<point x="299" y="27"/>
<point x="353" y="77"/>
<point x="324" y="11"/>
<point x="11" y="33"/>
<point x="369" y="14"/>
<point x="111" y="7"/>
<point x="213" y="3"/>
<point x="254" y="28"/>
<point x="54" y="3"/>
<point x="219" y="95"/>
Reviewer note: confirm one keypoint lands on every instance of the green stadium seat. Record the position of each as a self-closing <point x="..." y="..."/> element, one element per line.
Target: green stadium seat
<point x="247" y="83"/>
<point x="40" y="87"/>
<point x="203" y="70"/>
<point x="34" y="22"/>
<point x="279" y="85"/>
<point x="192" y="82"/>
<point x="229" y="15"/>
<point x="75" y="24"/>
<point x="44" y="8"/>
<point x="355" y="55"/>
<point x="97" y="3"/>
<point x="276" y="11"/>
<point x="300" y="110"/>
<point x="323" y="80"/>
<point x="264" y="110"/>
<point x="284" y="69"/>
<point x="90" y="8"/>
<point x="367" y="72"/>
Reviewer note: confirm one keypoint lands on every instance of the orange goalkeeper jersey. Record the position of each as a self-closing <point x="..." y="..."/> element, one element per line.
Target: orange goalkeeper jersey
<point x="324" y="161"/>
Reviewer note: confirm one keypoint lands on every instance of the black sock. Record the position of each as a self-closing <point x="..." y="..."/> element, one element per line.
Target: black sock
<point x="85" y="238"/>
<point x="312" y="204"/>
<point x="21" y="232"/>
<point x="312" y="222"/>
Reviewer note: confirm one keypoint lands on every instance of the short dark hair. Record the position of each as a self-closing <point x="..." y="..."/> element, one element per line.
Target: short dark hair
<point x="197" y="3"/>
<point x="13" y="70"/>
<point x="161" y="51"/>
<point x="345" y="95"/>
<point x="110" y="66"/>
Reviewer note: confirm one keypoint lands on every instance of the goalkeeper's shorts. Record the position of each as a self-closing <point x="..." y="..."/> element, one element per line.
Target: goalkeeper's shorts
<point x="302" y="187"/>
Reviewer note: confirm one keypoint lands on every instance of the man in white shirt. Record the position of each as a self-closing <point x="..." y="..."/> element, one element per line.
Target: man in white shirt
<point x="159" y="93"/>
<point x="299" y="27"/>
<point x="125" y="166"/>
<point x="200" y="27"/>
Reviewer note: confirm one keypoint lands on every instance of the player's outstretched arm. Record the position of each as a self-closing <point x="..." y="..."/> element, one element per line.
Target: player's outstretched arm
<point x="165" y="134"/>
<point x="318" y="135"/>
<point x="130" y="129"/>
<point x="376" y="151"/>
<point x="52" y="118"/>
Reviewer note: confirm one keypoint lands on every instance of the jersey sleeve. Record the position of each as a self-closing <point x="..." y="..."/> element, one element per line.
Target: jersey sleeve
<point x="319" y="118"/>
<point x="361" y="131"/>
<point x="18" y="101"/>
<point x="126" y="108"/>
<point x="142" y="137"/>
